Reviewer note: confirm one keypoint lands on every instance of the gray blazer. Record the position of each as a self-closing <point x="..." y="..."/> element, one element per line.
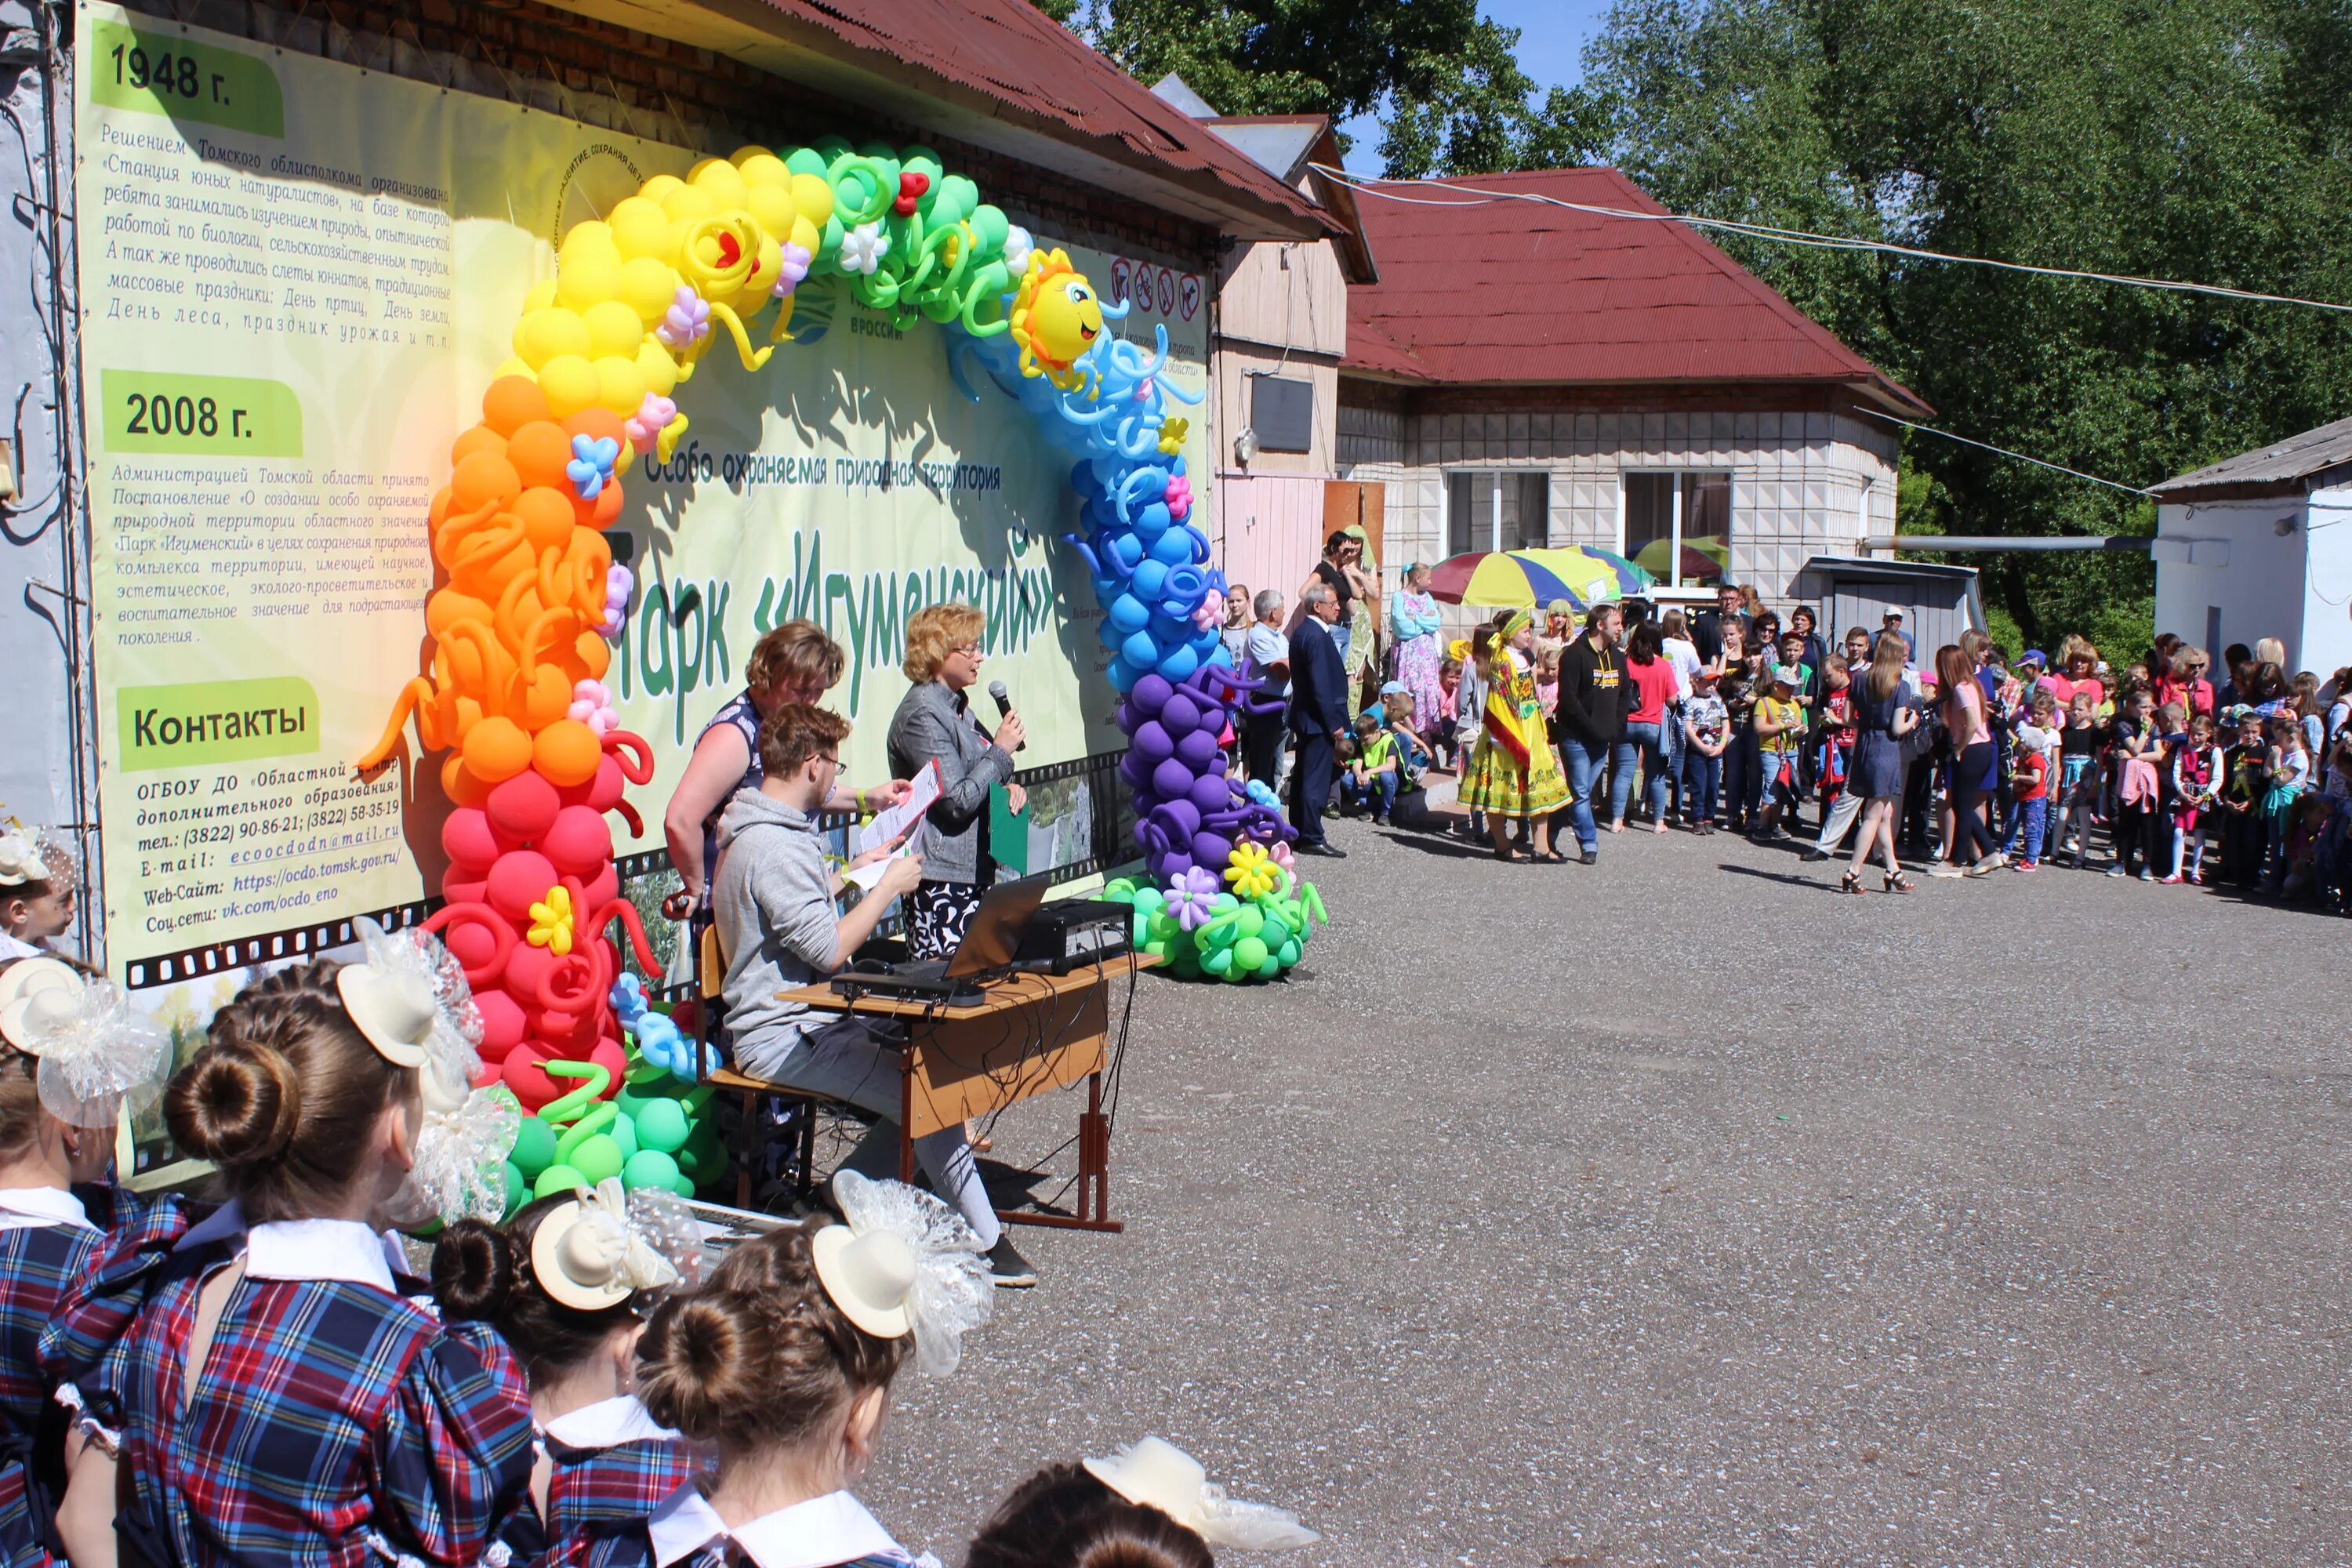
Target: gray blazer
<point x="933" y="721"/>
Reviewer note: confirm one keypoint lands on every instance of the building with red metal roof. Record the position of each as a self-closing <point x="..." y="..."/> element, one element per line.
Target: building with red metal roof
<point x="1526" y="371"/>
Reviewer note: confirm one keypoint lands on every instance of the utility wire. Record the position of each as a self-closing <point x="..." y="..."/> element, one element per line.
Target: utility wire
<point x="1478" y="196"/>
<point x="1988" y="447"/>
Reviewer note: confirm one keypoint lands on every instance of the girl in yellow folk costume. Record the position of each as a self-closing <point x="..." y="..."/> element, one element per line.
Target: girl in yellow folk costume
<point x="1512" y="771"/>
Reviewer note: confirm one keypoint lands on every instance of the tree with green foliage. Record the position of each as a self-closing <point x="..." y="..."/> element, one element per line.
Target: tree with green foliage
<point x="2200" y="140"/>
<point x="1446" y="81"/>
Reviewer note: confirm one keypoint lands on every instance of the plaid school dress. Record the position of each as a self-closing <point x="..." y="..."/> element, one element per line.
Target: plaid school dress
<point x="334" y="1422"/>
<point x="830" y="1532"/>
<point x="49" y="1239"/>
<point x="610" y="1464"/>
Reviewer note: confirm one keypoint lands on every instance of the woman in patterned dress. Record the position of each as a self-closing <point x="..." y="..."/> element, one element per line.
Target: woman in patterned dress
<point x="1513" y="772"/>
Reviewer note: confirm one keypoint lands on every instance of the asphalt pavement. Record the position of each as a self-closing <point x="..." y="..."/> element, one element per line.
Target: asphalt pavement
<point x="1679" y="1210"/>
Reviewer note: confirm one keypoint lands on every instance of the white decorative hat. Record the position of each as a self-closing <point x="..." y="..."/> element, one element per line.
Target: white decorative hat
<point x="96" y="1054"/>
<point x="600" y="1248"/>
<point x="1155" y="1473"/>
<point x="408" y="997"/>
<point x="904" y="1263"/>
<point x="23" y="858"/>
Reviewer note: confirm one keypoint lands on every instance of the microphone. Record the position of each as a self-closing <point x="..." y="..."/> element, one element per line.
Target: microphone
<point x="1003" y="700"/>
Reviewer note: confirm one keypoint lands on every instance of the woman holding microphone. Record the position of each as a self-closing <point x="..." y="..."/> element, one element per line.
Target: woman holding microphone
<point x="935" y="721"/>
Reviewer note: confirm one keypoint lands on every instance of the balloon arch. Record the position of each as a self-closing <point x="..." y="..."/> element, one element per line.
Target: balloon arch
<point x="518" y="630"/>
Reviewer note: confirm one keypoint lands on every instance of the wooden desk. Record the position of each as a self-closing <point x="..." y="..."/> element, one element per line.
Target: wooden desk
<point x="1034" y="1033"/>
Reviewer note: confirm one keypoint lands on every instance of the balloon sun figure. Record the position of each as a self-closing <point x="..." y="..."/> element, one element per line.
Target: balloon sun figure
<point x="529" y="601"/>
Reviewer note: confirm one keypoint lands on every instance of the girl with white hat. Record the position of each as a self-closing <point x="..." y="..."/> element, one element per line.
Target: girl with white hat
<point x="782" y="1366"/>
<point x="281" y="1398"/>
<point x="568" y="1283"/>
<point x="1149" y="1505"/>
<point x="73" y="1058"/>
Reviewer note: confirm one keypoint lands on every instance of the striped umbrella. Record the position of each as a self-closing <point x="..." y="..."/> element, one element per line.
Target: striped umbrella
<point x="1531" y="579"/>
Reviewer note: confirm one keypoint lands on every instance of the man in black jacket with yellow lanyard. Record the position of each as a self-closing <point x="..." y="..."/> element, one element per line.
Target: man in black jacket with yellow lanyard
<point x="1594" y="698"/>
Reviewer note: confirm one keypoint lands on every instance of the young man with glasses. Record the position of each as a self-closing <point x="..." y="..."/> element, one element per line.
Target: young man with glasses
<point x="780" y="927"/>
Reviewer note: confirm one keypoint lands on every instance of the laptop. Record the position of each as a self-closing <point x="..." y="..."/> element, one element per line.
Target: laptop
<point x="989" y="942"/>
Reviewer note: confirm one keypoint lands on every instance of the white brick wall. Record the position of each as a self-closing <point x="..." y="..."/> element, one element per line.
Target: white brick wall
<point x="1797" y="479"/>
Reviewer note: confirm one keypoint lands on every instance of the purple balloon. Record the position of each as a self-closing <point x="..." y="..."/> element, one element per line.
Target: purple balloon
<point x="1197" y="751"/>
<point x="1154" y="743"/>
<point x="1179" y="819"/>
<point x="1173" y="779"/>
<point x="1170" y="865"/>
<point x="1134" y="769"/>
<point x="1151" y="691"/>
<point x="1212" y="850"/>
<point x="1211" y="794"/>
<point x="1179" y="714"/>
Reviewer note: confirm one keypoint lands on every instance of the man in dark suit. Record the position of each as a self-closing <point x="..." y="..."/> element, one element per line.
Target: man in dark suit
<point x="1707" y="631"/>
<point x="1318" y="716"/>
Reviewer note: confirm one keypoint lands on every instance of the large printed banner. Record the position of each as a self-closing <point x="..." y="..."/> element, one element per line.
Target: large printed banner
<point x="295" y="275"/>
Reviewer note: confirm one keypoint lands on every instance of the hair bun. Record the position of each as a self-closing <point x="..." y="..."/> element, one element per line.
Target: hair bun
<point x="474" y="1273"/>
<point x="695" y="1364"/>
<point x="236" y="1104"/>
<point x="1115" y="1548"/>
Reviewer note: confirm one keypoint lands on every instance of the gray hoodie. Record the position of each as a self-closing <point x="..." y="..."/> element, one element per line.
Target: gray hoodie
<point x="772" y="900"/>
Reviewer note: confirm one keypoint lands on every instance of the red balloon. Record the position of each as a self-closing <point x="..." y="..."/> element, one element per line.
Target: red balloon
<point x="609" y="1055"/>
<point x="522" y="1071"/>
<point x="503" y="1023"/>
<point x="603" y="891"/>
<point x="519" y="879"/>
<point x="466" y="838"/>
<point x="471" y="940"/>
<point x="580" y="843"/>
<point x="523" y="807"/>
<point x="527" y="972"/>
<point x="467" y="885"/>
<point x="604" y="789"/>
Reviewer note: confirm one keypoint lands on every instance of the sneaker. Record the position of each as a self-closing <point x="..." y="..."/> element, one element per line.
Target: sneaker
<point x="1329" y="851"/>
<point x="1589" y="857"/>
<point x="1946" y="869"/>
<point x="2027" y="866"/>
<point x="2146" y="875"/>
<point x="1007" y="1269"/>
<point x="1816" y="853"/>
<point x="1990" y="863"/>
<point x="2116" y="869"/>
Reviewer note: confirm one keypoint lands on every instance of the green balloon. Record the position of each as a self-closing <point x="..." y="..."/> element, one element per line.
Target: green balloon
<point x="649" y="1168"/>
<point x="1275" y="931"/>
<point x="1248" y="954"/>
<point x="1289" y="954"/>
<point x="597" y="1158"/>
<point x="1148" y="899"/>
<point x="1249" y="922"/>
<point x="534" y="1149"/>
<point x="662" y="1126"/>
<point x="625" y="1133"/>
<point x="517" y="1188"/>
<point x="558" y="1179"/>
<point x="1272" y="968"/>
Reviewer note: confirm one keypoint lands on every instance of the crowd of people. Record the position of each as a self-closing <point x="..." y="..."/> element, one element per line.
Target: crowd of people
<point x="1735" y="718"/>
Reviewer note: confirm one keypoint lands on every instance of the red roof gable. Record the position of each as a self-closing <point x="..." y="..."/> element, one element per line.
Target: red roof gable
<point x="1521" y="291"/>
<point x="1014" y="65"/>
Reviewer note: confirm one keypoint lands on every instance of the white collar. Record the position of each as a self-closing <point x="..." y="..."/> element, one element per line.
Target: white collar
<point x="607" y="1424"/>
<point x="17" y="947"/>
<point x="21" y="1207"/>
<point x="340" y="1249"/>
<point x="819" y="1534"/>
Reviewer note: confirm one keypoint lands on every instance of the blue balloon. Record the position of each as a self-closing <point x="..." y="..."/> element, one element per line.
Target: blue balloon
<point x="1128" y="613"/>
<point x="1149" y="579"/>
<point x="1143" y="653"/>
<point x="1177" y="547"/>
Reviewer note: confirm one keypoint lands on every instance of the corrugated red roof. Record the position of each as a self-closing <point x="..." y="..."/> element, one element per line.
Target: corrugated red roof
<point x="1037" y="74"/>
<point x="1518" y="292"/>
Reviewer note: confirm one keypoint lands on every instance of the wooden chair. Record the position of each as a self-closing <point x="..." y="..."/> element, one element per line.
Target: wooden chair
<point x="711" y="970"/>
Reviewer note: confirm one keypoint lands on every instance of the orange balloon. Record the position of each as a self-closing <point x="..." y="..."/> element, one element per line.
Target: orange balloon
<point x="566" y="753"/>
<point x="511" y="403"/>
<point x="447" y="608"/>
<point x="459" y="784"/>
<point x="440" y="512"/>
<point x="595" y="652"/>
<point x="546" y="514"/>
<point x="539" y="451"/>
<point x="481" y="478"/>
<point x="608" y="505"/>
<point x="545" y="699"/>
<point x="481" y="439"/>
<point x="495" y="750"/>
<point x="596" y="424"/>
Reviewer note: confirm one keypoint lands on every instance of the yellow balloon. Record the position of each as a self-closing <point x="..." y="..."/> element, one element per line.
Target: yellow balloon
<point x="762" y="167"/>
<point x="659" y="188"/>
<point x="687" y="204"/>
<point x="620" y="386"/>
<point x="541" y="296"/>
<point x="648" y="286"/>
<point x="660" y="371"/>
<point x="813" y="197"/>
<point x="772" y="207"/>
<point x="805" y="235"/>
<point x="639" y="228"/>
<point x="764" y="282"/>
<point x="548" y="334"/>
<point x="511" y="367"/>
<point x="571" y="384"/>
<point x="583" y="237"/>
<point x="612" y="329"/>
<point x="721" y="179"/>
<point x="589" y="278"/>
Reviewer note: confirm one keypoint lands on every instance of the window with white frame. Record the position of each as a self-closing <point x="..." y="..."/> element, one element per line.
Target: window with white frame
<point x="1677" y="527"/>
<point x="1507" y="509"/>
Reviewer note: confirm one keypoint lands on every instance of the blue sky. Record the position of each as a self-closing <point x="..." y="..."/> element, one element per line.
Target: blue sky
<point x="1552" y="35"/>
